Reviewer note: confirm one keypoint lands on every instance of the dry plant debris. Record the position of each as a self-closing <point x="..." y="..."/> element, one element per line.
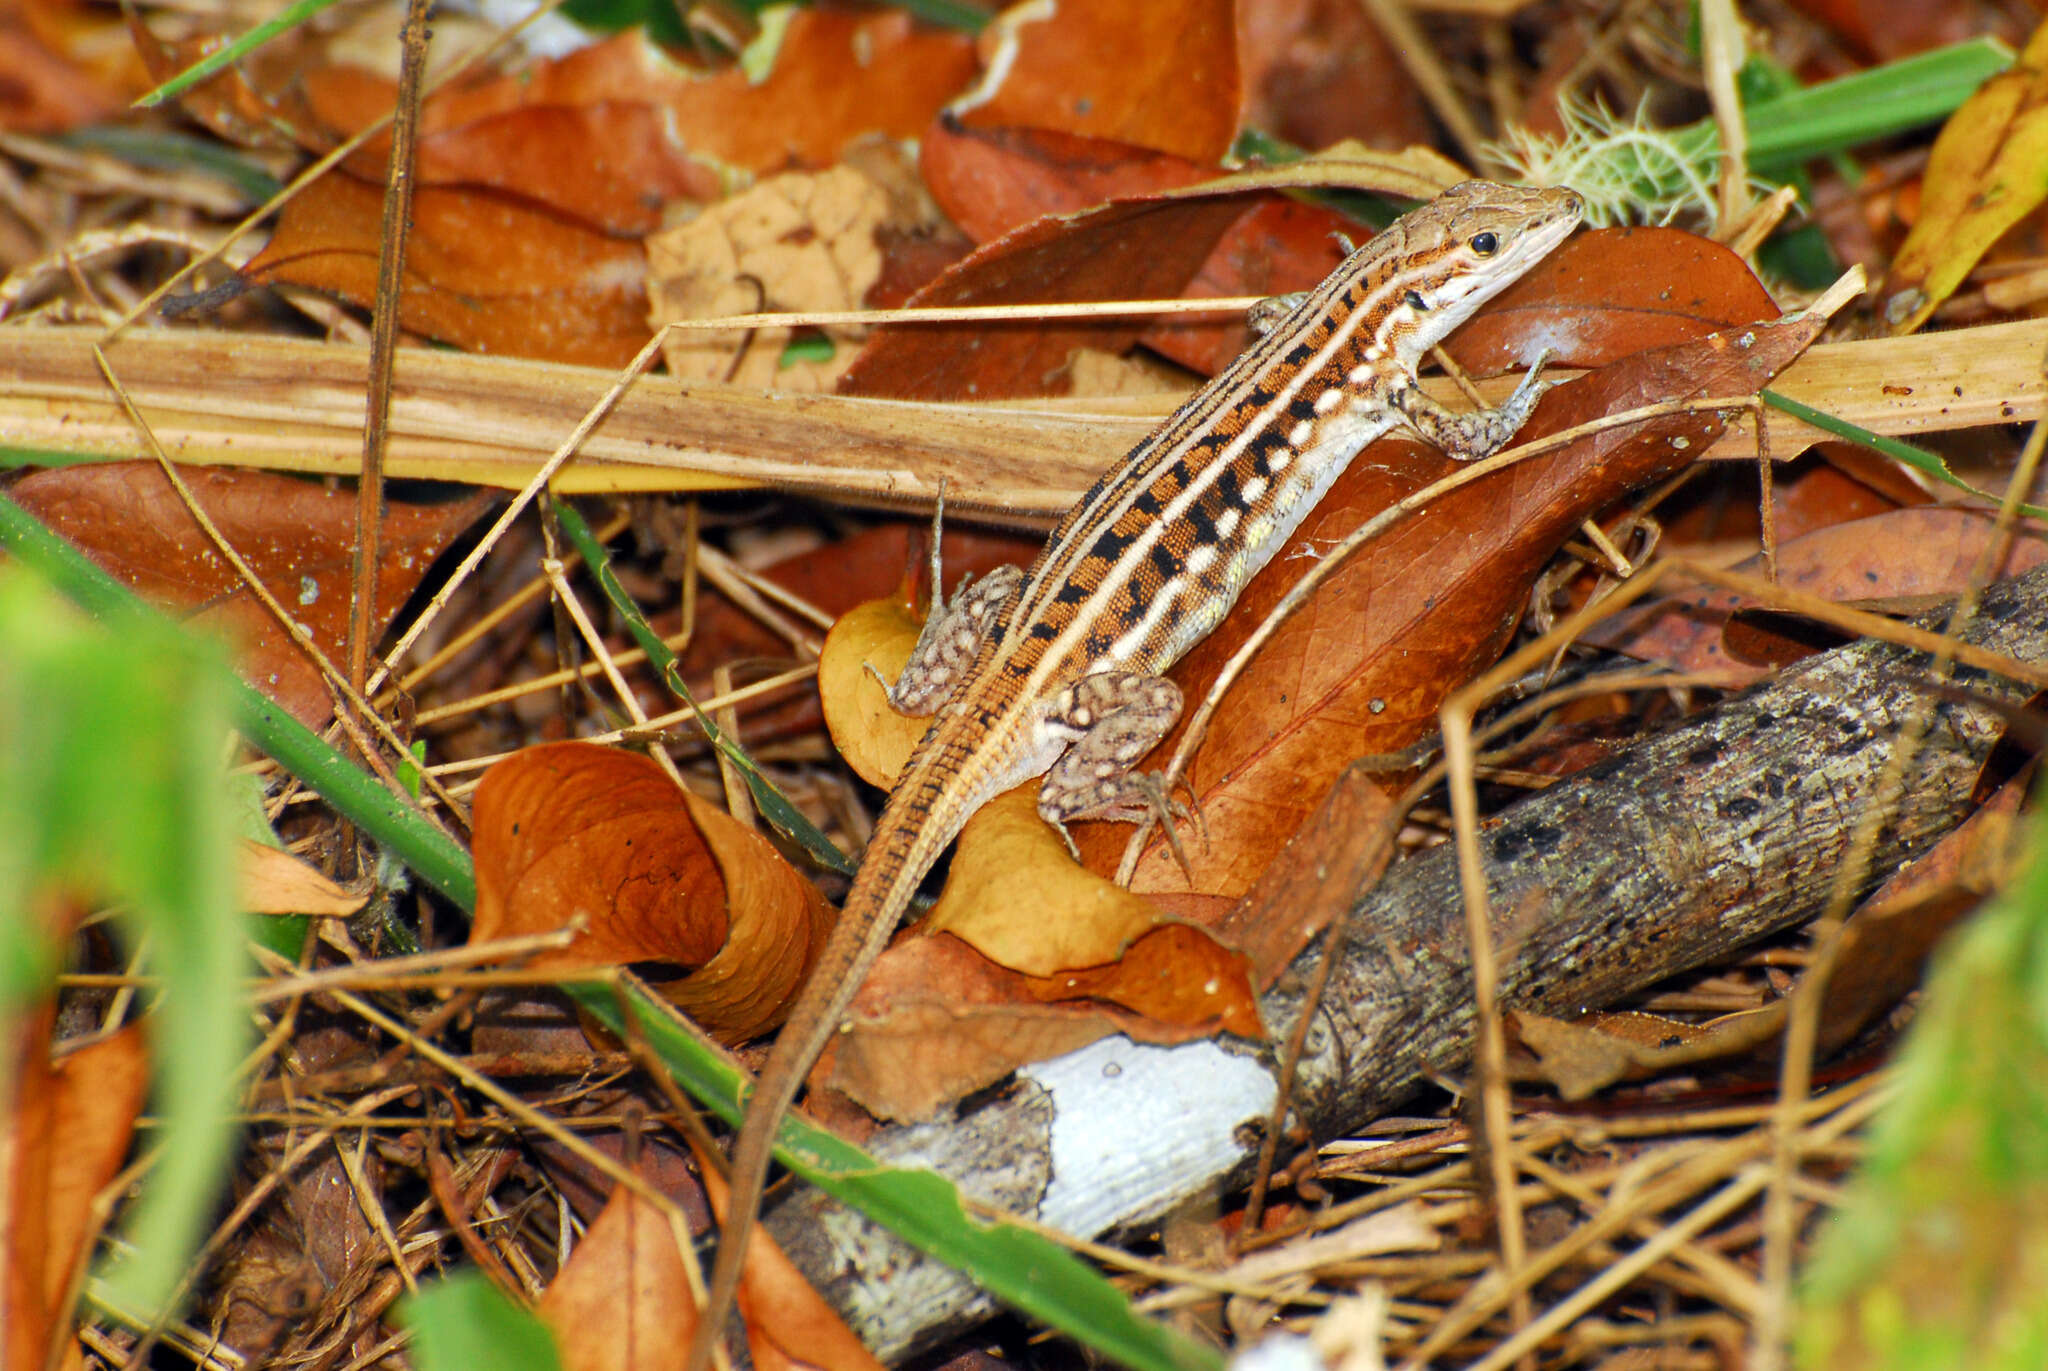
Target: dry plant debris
<point x="1707" y="912"/>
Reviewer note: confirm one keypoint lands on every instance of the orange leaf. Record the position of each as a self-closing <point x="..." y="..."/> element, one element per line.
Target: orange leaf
<point x="64" y="1132"/>
<point x="788" y="1323"/>
<point x="572" y="830"/>
<point x="482" y="271"/>
<point x="622" y="1300"/>
<point x="836" y="75"/>
<point x="1159" y="75"/>
<point x="299" y="535"/>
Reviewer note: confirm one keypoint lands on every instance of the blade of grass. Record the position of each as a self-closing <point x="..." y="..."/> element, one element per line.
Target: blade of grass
<point x="787" y="819"/>
<point x="388" y="818"/>
<point x="216" y="62"/>
<point x="1023" y="1269"/>
<point x="1919" y="458"/>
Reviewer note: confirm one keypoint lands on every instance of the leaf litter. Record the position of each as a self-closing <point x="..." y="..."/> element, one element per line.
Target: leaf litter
<point x="524" y="244"/>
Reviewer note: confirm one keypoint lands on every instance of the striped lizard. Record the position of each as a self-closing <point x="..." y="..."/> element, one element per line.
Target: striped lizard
<point x="1055" y="671"/>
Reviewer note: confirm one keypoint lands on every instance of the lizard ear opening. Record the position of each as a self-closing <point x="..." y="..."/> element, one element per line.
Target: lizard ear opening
<point x="1415" y="301"/>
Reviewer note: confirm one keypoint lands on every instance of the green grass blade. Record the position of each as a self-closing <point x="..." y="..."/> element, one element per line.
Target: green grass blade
<point x="775" y="807"/>
<point x="1837" y="115"/>
<point x="399" y="826"/>
<point x="1030" y="1273"/>
<point x="216" y="62"/>
<point x="1919" y="458"/>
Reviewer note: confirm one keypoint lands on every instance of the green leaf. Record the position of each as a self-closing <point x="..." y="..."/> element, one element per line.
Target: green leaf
<point x="1028" y="1272"/>
<point x="463" y="1323"/>
<point x="1939" y="1254"/>
<point x="111" y="790"/>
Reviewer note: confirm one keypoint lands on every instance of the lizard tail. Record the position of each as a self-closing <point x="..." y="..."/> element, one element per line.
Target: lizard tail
<point x="914" y="828"/>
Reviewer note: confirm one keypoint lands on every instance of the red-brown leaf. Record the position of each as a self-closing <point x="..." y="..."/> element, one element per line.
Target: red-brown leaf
<point x="574" y="830"/>
<point x="299" y="535"/>
<point x="481" y="271"/>
<point x="1160" y="74"/>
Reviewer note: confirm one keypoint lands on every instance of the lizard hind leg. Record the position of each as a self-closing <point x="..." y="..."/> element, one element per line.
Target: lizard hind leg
<point x="1109" y="720"/>
<point x="953" y="634"/>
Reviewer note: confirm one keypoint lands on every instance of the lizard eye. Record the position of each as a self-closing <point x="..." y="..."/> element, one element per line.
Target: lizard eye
<point x="1485" y="244"/>
<point x="1416" y="302"/>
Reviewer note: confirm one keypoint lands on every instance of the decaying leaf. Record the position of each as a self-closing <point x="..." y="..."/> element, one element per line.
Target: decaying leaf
<point x="274" y="882"/>
<point x="622" y="1300"/>
<point x="482" y="270"/>
<point x="571" y="834"/>
<point x="1903" y="554"/>
<point x="1987" y="172"/>
<point x="801" y="241"/>
<point x="1097" y="70"/>
<point x="299" y="535"/>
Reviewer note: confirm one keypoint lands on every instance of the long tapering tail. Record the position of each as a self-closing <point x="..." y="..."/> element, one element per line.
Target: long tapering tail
<point x="922" y="816"/>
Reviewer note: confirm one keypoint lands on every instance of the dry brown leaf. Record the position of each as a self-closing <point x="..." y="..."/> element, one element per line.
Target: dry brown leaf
<point x="622" y="1301"/>
<point x="836" y="75"/>
<point x="1015" y="896"/>
<point x="65" y="1129"/>
<point x="482" y="270"/>
<point x="789" y="1326"/>
<point x="1157" y="74"/>
<point x="1907" y="553"/>
<point x="299" y="535"/>
<point x="573" y="832"/>
<point x="274" y="882"/>
<point x="801" y="241"/>
<point x="935" y="1020"/>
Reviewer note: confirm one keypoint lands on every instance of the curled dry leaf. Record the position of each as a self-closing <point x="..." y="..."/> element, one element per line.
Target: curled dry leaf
<point x="65" y="1127"/>
<point x="299" y="535"/>
<point x="572" y="832"/>
<point x="873" y="738"/>
<point x="482" y="271"/>
<point x="801" y="241"/>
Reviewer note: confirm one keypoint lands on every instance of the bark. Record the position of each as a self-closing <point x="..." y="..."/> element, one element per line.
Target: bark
<point x="1673" y="854"/>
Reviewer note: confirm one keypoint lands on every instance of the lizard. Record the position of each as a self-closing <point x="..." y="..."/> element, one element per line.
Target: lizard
<point x="1056" y="670"/>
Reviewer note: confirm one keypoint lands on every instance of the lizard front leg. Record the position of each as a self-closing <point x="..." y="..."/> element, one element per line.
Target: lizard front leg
<point x="1109" y="720"/>
<point x="1469" y="435"/>
<point x="953" y="634"/>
